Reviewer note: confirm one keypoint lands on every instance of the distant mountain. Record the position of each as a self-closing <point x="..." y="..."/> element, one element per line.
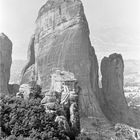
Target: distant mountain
<point x="132" y="67"/>
<point x="117" y="39"/>
<point x="16" y="68"/>
<point x="132" y="72"/>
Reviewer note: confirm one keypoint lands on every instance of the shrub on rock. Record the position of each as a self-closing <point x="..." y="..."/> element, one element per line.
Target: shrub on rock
<point x="29" y="119"/>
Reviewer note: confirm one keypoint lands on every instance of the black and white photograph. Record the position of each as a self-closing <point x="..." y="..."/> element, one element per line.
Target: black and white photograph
<point x="69" y="69"/>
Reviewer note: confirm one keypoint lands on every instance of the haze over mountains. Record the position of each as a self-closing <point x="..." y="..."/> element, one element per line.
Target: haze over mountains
<point x="120" y="39"/>
<point x="132" y="72"/>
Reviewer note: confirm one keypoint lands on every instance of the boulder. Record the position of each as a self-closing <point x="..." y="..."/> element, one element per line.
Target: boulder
<point x="62" y="42"/>
<point x="24" y="91"/>
<point x="5" y="62"/>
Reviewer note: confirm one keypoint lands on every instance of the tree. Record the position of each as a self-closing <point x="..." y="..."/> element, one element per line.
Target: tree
<point x="29" y="119"/>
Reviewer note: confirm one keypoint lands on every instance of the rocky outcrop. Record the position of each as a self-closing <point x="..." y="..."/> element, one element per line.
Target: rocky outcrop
<point x="125" y="132"/>
<point x="24" y="92"/>
<point x="63" y="95"/>
<point x="112" y="132"/>
<point x="28" y="69"/>
<point x="112" y="99"/>
<point x="29" y="75"/>
<point x="62" y="42"/>
<point x="112" y="86"/>
<point x="5" y="62"/>
<point x="29" y="91"/>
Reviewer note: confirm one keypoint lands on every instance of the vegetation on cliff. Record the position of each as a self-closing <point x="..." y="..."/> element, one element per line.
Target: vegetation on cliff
<point x="27" y="119"/>
<point x="21" y="118"/>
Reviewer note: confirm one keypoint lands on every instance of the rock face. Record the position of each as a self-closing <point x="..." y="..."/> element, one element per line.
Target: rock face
<point x="112" y="99"/>
<point x="112" y="85"/>
<point x="29" y="75"/>
<point x="5" y="62"/>
<point x="62" y="42"/>
<point x="24" y="91"/>
<point x="125" y="132"/>
<point x="28" y="70"/>
<point x="64" y="93"/>
<point x="13" y="89"/>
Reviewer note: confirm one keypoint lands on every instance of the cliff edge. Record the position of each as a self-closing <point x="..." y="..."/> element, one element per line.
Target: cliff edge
<point x="5" y="62"/>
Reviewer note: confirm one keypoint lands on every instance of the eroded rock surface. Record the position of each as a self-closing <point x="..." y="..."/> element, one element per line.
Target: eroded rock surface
<point x="64" y="94"/>
<point x="28" y="70"/>
<point x="112" y="85"/>
<point x="112" y="99"/>
<point x="5" y="62"/>
<point x="118" y="131"/>
<point x="24" y="91"/>
<point x="126" y="132"/>
<point x="13" y="89"/>
<point x="29" y="75"/>
<point x="62" y="42"/>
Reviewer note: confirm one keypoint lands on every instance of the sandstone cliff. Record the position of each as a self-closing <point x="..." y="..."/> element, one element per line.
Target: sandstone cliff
<point x="62" y="42"/>
<point x="28" y="70"/>
<point x="5" y="62"/>
<point x="112" y="99"/>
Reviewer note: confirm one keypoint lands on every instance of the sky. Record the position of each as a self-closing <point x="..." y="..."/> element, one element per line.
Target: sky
<point x="114" y="25"/>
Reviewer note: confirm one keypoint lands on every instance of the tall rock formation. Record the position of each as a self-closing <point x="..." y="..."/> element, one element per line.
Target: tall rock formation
<point x="5" y="62"/>
<point x="112" y="98"/>
<point x="112" y="84"/>
<point x="27" y="73"/>
<point x="62" y="42"/>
